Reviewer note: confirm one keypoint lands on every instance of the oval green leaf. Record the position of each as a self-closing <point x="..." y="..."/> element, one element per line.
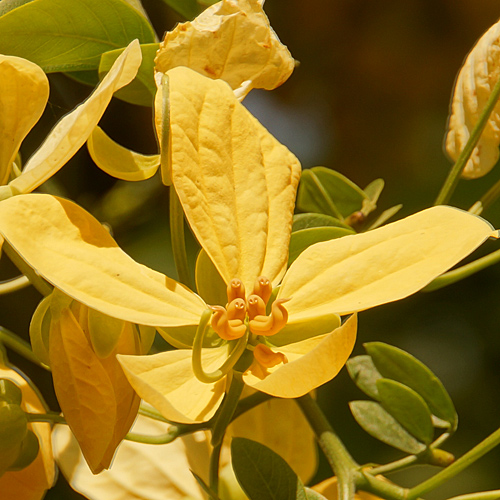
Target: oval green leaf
<point x="306" y="221"/>
<point x="398" y="365"/>
<point x="364" y="374"/>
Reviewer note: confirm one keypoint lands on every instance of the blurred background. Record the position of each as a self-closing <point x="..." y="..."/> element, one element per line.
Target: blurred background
<point x="369" y="99"/>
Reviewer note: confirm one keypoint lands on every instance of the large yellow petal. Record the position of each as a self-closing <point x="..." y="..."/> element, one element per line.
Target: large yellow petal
<point x="236" y="183"/>
<point x="77" y="255"/>
<point x="73" y="130"/>
<point x="140" y="471"/>
<point x="24" y="91"/>
<point x="32" y="482"/>
<point x="119" y="161"/>
<point x="167" y="382"/>
<point x="473" y="87"/>
<point x="357" y="272"/>
<point x="232" y="41"/>
<point x="311" y="363"/>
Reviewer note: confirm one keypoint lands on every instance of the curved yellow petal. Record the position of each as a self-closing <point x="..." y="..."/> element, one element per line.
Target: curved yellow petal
<point x="473" y="87"/>
<point x="311" y="363"/>
<point x="357" y="272"/>
<point x="77" y="255"/>
<point x="231" y="41"/>
<point x="167" y="382"/>
<point x="32" y="482"/>
<point x="24" y="91"/>
<point x="119" y="161"/>
<point x="235" y="181"/>
<point x="73" y="130"/>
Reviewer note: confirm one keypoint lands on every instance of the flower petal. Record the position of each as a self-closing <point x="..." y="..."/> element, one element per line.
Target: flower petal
<point x="357" y="272"/>
<point x="24" y="91"/>
<point x="473" y="87"/>
<point x="311" y="363"/>
<point x="167" y="382"/>
<point x="72" y="131"/>
<point x="77" y="255"/>
<point x="236" y="183"/>
<point x="232" y="41"/>
<point x="118" y="161"/>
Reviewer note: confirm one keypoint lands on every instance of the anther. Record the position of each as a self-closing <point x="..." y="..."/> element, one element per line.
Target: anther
<point x="256" y="306"/>
<point x="270" y="325"/>
<point x="235" y="290"/>
<point x="267" y="357"/>
<point x="227" y="329"/>
<point x="263" y="288"/>
<point x="237" y="309"/>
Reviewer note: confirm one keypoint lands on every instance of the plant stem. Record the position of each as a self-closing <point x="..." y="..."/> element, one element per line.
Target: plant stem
<point x="458" y="466"/>
<point x="52" y="418"/>
<point x="14" y="284"/>
<point x="480" y="495"/>
<point x="214" y="468"/>
<point x="178" y="240"/>
<point x="453" y="177"/>
<point x="463" y="272"/>
<point x="394" y="466"/>
<point x="17" y="344"/>
<point x="486" y="200"/>
<point x="341" y="462"/>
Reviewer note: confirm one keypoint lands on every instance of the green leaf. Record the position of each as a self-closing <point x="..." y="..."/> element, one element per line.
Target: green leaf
<point x="408" y="408"/>
<point x="313" y="495"/>
<point x="209" y="283"/>
<point x="142" y="90"/>
<point x="306" y="221"/>
<point x="188" y="9"/>
<point x="8" y="5"/>
<point x="300" y="240"/>
<point x="398" y="365"/>
<point x="86" y="77"/>
<point x="364" y="374"/>
<point x="326" y="191"/>
<point x="64" y="35"/>
<point x="382" y="426"/>
<point x="385" y="216"/>
<point x="263" y="474"/>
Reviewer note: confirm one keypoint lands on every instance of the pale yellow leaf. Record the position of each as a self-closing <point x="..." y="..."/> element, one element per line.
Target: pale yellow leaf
<point x="311" y="363"/>
<point x="73" y="130"/>
<point x="119" y="161"/>
<point x="78" y="256"/>
<point x="167" y="382"/>
<point x="232" y="41"/>
<point x="32" y="482"/>
<point x="473" y="87"/>
<point x="357" y="272"/>
<point x="236" y="183"/>
<point x="24" y="91"/>
<point x="139" y="471"/>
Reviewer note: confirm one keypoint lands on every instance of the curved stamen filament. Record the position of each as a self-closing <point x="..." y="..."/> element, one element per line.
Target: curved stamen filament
<point x="226" y="327"/>
<point x="256" y="306"/>
<point x="270" y="325"/>
<point x="227" y="365"/>
<point x="263" y="288"/>
<point x="235" y="290"/>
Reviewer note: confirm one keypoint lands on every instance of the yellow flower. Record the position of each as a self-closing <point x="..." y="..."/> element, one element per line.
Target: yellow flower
<point x="237" y="186"/>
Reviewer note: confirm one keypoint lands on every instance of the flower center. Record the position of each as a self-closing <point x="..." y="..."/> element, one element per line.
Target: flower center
<point x="241" y="312"/>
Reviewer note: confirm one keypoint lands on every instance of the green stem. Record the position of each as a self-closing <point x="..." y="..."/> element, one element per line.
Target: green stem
<point x="214" y="469"/>
<point x="394" y="466"/>
<point x="463" y="272"/>
<point x="152" y="413"/>
<point x="325" y="195"/>
<point x="480" y="495"/>
<point x="166" y="438"/>
<point x="14" y="284"/>
<point x="458" y="466"/>
<point x="52" y="418"/>
<point x="17" y="344"/>
<point x="341" y="462"/>
<point x="38" y="282"/>
<point x="483" y="203"/>
<point x="384" y="489"/>
<point x="178" y="240"/>
<point x="453" y="177"/>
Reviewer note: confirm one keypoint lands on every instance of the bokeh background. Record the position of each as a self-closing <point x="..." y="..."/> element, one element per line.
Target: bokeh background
<point x="370" y="99"/>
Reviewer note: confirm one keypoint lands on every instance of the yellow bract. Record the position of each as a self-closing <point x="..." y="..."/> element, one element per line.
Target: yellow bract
<point x="232" y="41"/>
<point x="473" y="87"/>
<point x="69" y="134"/>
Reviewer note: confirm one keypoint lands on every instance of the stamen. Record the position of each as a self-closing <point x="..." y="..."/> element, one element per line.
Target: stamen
<point x="227" y="329"/>
<point x="263" y="288"/>
<point x="268" y="358"/>
<point x="237" y="309"/>
<point x="256" y="306"/>
<point x="270" y="325"/>
<point x="235" y="290"/>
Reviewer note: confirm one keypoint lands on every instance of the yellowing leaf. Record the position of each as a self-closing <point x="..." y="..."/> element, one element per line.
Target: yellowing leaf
<point x="78" y="256"/>
<point x="357" y="272"/>
<point x="118" y="161"/>
<point x="72" y="131"/>
<point x="235" y="181"/>
<point x="311" y="363"/>
<point x="473" y="87"/>
<point x="140" y="471"/>
<point x="167" y="382"/>
<point x="24" y="91"/>
<point x="232" y="41"/>
<point x="32" y="482"/>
